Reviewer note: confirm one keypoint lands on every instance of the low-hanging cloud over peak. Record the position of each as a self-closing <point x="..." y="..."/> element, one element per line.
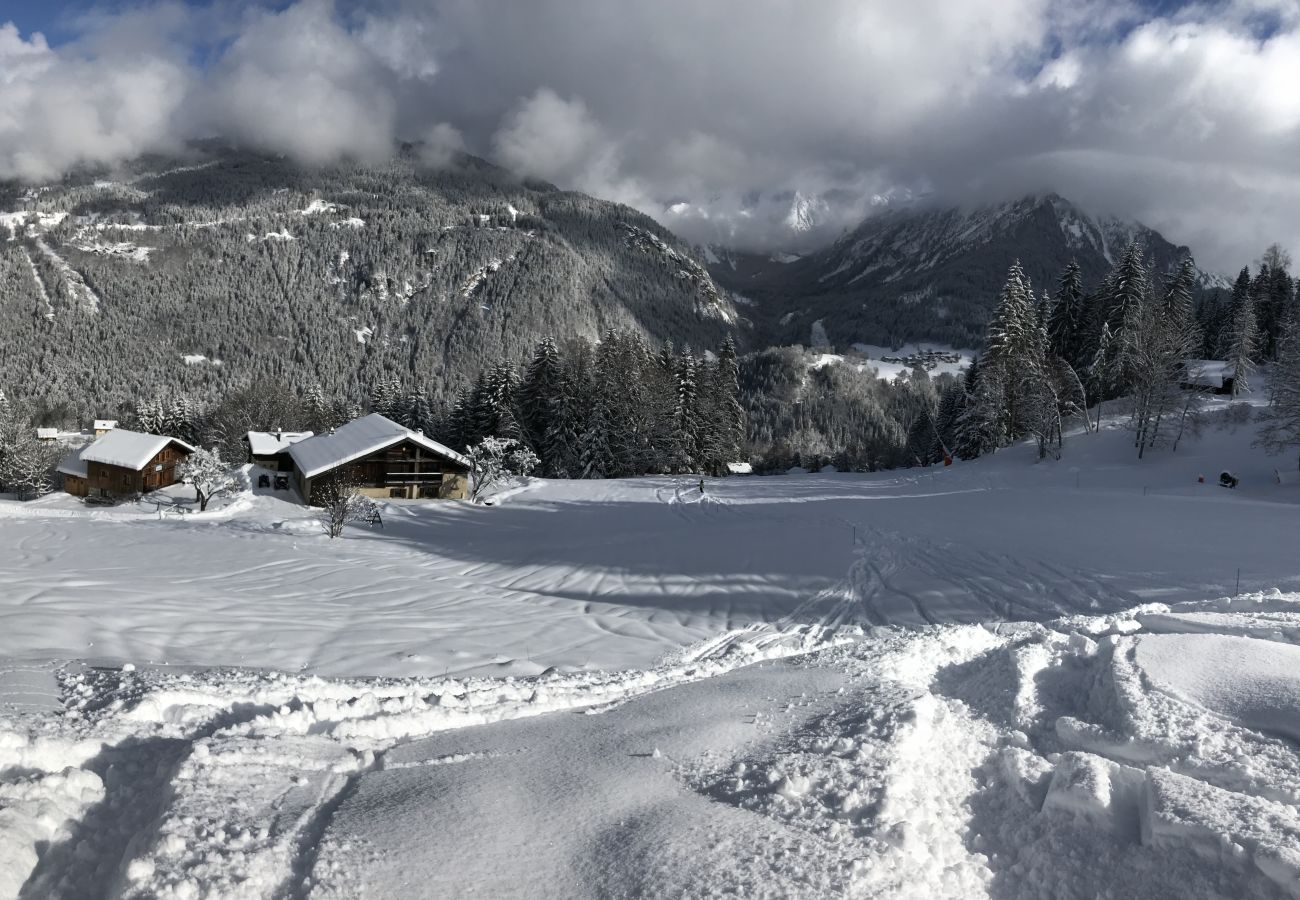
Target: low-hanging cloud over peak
<point x="713" y="116"/>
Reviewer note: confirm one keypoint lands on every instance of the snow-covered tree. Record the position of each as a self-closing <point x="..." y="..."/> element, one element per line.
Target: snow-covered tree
<point x="494" y="459"/>
<point x="1159" y="336"/>
<point x="340" y="502"/>
<point x="1242" y="343"/>
<point x="28" y="468"/>
<point x="729" y="415"/>
<point x="540" y="394"/>
<point x="1280" y="428"/>
<point x="1067" y="319"/>
<point x="209" y="475"/>
<point x="978" y="432"/>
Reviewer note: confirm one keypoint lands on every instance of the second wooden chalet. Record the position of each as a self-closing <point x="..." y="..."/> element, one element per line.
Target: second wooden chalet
<point x="123" y="463"/>
<point x="384" y="459"/>
<point x="270" y="449"/>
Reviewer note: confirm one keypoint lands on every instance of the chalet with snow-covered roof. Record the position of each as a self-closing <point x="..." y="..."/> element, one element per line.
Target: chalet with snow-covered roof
<point x="270" y="449"/>
<point x="47" y="435"/>
<point x="1208" y="375"/>
<point x="384" y="459"/>
<point x="122" y="463"/>
<point x="103" y="426"/>
<point x="73" y="472"/>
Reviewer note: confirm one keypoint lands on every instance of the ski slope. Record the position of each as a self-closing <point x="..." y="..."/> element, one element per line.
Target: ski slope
<point x="1001" y="679"/>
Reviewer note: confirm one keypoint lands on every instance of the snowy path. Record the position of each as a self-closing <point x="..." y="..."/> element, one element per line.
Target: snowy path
<point x="1086" y="757"/>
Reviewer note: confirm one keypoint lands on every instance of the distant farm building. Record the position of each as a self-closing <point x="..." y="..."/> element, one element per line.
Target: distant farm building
<point x="383" y="459"/>
<point x="1208" y="375"/>
<point x="124" y="463"/>
<point x="47" y="435"/>
<point x="104" y="426"/>
<point x="270" y="449"/>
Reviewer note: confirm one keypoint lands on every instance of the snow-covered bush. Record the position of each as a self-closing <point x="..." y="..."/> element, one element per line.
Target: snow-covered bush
<point x="493" y="459"/>
<point x="208" y="474"/>
<point x="341" y="502"/>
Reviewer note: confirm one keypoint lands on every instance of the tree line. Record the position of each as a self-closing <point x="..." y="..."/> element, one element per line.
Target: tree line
<point x="1048" y="358"/>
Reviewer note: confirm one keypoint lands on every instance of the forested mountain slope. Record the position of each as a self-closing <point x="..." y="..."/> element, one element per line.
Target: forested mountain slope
<point x="196" y="274"/>
<point x="921" y="272"/>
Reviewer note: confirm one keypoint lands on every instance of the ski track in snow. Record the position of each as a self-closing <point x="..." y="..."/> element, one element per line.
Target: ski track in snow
<point x="40" y="285"/>
<point x="77" y="287"/>
<point x="1082" y="755"/>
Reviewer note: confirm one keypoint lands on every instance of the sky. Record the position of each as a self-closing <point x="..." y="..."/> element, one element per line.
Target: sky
<point x="715" y="116"/>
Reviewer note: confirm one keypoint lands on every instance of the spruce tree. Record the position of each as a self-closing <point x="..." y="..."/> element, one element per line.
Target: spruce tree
<point x="539" y="396"/>
<point x="1243" y="344"/>
<point x="1067" y="320"/>
<point x="1280" y="427"/>
<point x="730" y="415"/>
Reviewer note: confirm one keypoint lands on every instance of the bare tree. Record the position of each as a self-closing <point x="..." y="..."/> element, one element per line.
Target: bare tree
<point x="341" y="503"/>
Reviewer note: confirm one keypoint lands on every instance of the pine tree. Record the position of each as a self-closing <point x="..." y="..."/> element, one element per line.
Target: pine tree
<point x="730" y="415"/>
<point x="978" y="425"/>
<point x="1104" y="368"/>
<point x="1240" y="296"/>
<point x="1067" y="320"/>
<point x="687" y="413"/>
<point x="952" y="403"/>
<point x="1012" y="345"/>
<point x="1243" y="344"/>
<point x="1126" y="287"/>
<point x="502" y="387"/>
<point x="540" y="396"/>
<point x="1280" y="427"/>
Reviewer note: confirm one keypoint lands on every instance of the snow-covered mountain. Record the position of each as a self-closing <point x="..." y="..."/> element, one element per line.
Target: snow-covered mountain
<point x="918" y="271"/>
<point x="806" y="213"/>
<point x="336" y="276"/>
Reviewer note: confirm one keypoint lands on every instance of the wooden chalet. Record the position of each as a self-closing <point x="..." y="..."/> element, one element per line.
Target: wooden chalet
<point x="384" y="459"/>
<point x="270" y="449"/>
<point x="1210" y="375"/>
<point x="124" y="463"/>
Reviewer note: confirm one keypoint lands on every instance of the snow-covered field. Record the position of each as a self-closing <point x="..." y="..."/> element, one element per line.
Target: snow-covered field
<point x="998" y="679"/>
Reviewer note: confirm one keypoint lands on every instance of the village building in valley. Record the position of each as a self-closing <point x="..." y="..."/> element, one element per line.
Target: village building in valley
<point x="382" y="459"/>
<point x="123" y="463"/>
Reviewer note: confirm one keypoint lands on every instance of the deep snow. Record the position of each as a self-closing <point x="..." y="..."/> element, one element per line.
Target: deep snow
<point x="998" y="679"/>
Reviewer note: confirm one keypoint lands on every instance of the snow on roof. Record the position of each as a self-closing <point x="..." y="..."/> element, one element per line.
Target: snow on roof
<point x="359" y="438"/>
<point x="73" y="464"/>
<point x="269" y="443"/>
<point x="740" y="468"/>
<point x="105" y="424"/>
<point x="1208" y="372"/>
<point x="128" y="449"/>
<point x="46" y="434"/>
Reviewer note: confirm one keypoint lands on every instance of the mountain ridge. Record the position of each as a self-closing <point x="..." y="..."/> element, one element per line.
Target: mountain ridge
<point x="197" y="273"/>
<point x="921" y="271"/>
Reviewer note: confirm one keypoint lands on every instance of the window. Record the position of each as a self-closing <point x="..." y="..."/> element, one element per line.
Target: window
<point x="397" y="493"/>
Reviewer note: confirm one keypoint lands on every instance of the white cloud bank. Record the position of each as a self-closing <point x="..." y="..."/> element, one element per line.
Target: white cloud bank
<point x="720" y="111"/>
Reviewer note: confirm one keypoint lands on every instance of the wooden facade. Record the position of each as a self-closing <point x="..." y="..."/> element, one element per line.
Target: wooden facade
<point x="403" y="471"/>
<point x="103" y="480"/>
<point x="75" y="485"/>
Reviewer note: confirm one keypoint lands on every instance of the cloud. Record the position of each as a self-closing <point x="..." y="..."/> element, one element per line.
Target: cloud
<point x="301" y="83"/>
<point x="61" y="109"/>
<point x="715" y="116"/>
